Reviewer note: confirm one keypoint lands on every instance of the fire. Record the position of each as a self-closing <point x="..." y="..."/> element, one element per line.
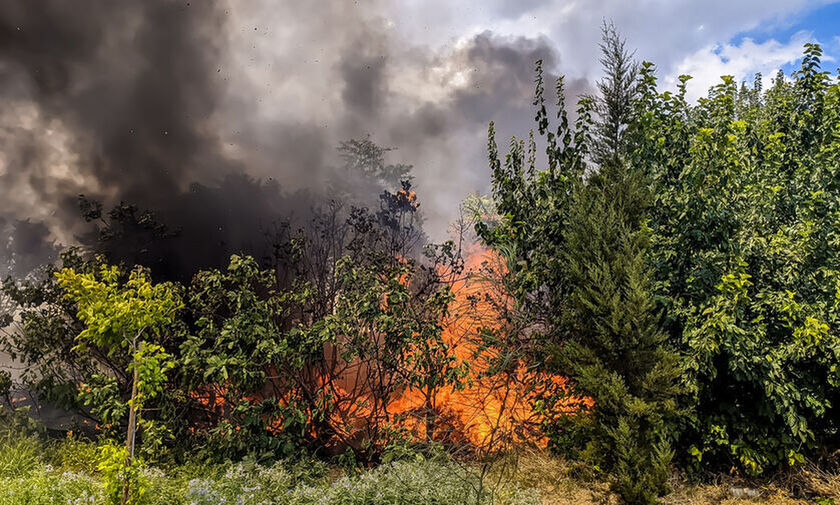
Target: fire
<point x="490" y="411"/>
<point x="496" y="409"/>
<point x="407" y="197"/>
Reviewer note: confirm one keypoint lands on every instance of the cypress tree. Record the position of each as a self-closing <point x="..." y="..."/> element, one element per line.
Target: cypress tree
<point x="617" y="92"/>
<point x="615" y="349"/>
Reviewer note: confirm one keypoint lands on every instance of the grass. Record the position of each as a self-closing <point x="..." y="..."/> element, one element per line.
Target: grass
<point x="562" y="483"/>
<point x="18" y="455"/>
<point x="35" y="472"/>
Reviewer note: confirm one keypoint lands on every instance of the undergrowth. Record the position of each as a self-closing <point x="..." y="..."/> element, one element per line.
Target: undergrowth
<point x="36" y="470"/>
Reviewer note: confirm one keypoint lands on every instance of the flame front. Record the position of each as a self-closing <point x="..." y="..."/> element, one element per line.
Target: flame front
<point x="495" y="409"/>
<point x="492" y="409"/>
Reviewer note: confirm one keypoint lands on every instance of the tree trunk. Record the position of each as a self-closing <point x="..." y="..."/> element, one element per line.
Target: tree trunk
<point x="431" y="415"/>
<point x="132" y="421"/>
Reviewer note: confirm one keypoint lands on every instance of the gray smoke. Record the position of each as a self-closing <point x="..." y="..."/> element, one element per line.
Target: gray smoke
<point x="223" y="117"/>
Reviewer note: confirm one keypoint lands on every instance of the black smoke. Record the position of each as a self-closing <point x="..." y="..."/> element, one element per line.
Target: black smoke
<point x="221" y="119"/>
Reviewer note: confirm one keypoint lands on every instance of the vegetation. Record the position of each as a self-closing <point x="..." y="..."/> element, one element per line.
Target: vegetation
<point x="661" y="298"/>
<point x="604" y="329"/>
<point x="746" y="261"/>
<point x="118" y="316"/>
<point x="64" y="471"/>
<point x="697" y="241"/>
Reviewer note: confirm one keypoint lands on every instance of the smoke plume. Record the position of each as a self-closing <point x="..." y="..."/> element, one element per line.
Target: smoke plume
<point x="223" y="117"/>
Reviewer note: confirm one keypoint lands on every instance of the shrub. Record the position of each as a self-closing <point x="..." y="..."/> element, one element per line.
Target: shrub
<point x="18" y="455"/>
<point x="74" y="454"/>
<point x="48" y="486"/>
<point x="745" y="255"/>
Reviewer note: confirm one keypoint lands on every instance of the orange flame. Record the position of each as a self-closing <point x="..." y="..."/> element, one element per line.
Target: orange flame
<point x="497" y="409"/>
<point x="492" y="411"/>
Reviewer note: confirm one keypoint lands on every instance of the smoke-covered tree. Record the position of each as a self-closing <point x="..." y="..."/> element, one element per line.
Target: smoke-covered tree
<point x="25" y="248"/>
<point x="277" y="368"/>
<point x="313" y="353"/>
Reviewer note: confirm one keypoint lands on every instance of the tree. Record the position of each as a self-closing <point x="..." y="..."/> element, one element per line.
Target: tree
<point x="577" y="246"/>
<point x="745" y="260"/>
<point x="614" y="347"/>
<point x="121" y="314"/>
<point x="40" y="332"/>
<point x="616" y="96"/>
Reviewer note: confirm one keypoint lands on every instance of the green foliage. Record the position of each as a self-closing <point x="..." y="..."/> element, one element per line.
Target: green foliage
<point x="577" y="246"/>
<point x="238" y="343"/>
<point x="18" y="455"/>
<point x="6" y="386"/>
<point x="103" y="396"/>
<point x="277" y="381"/>
<point x="18" y="421"/>
<point x="745" y="213"/>
<point x="417" y="480"/>
<point x="116" y="315"/>
<point x="533" y="207"/>
<point x="614" y="348"/>
<point x="365" y="157"/>
<point x="737" y="249"/>
<point x="616" y="96"/>
<point x="74" y="454"/>
<point x="380" y="321"/>
<point x="43" y="334"/>
<point x="119" y="476"/>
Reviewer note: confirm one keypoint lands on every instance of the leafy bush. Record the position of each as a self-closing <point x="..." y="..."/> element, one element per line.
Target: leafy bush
<point x="745" y="251"/>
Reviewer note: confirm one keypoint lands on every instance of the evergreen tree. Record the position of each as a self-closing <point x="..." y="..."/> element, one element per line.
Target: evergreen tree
<point x="576" y="243"/>
<point x="617" y="92"/>
<point x="615" y="350"/>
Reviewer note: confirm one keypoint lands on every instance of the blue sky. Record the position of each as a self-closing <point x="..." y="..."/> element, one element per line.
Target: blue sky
<point x="821" y="24"/>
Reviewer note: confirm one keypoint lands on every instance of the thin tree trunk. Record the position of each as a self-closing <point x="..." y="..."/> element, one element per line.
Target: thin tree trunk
<point x="431" y="415"/>
<point x="132" y="420"/>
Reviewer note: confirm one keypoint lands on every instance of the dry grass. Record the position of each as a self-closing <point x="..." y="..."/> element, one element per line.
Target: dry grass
<point x="557" y="482"/>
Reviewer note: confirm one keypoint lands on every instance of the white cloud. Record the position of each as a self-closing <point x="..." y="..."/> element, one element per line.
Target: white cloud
<point x="663" y="31"/>
<point x="742" y="60"/>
